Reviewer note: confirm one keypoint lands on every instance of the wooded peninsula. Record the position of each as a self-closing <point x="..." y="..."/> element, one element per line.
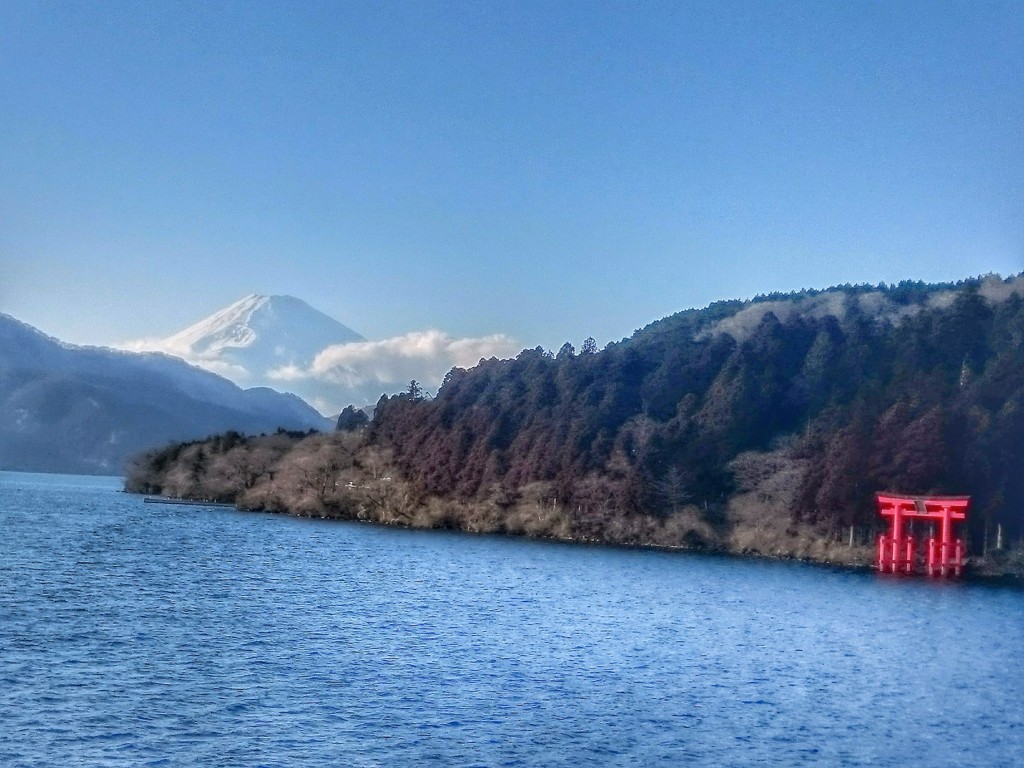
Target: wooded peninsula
<point x="758" y="427"/>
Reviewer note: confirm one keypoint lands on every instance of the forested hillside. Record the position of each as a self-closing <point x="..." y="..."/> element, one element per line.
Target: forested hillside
<point x="761" y="426"/>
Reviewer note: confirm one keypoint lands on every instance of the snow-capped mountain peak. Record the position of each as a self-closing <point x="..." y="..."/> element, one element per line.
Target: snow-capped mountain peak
<point x="226" y="327"/>
<point x="275" y="330"/>
<point x="257" y="342"/>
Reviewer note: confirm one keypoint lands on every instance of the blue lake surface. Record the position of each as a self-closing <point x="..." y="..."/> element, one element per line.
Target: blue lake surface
<point x="140" y="634"/>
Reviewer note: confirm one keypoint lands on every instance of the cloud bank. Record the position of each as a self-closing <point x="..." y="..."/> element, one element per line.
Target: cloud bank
<point x="390" y="364"/>
<point x="358" y="372"/>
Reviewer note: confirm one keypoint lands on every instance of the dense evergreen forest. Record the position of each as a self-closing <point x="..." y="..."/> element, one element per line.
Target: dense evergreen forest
<point x="750" y="426"/>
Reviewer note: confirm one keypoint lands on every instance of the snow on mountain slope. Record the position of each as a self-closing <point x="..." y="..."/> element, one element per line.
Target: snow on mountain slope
<point x="259" y="334"/>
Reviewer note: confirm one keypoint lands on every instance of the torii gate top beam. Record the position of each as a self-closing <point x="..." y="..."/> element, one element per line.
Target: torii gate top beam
<point x="926" y="507"/>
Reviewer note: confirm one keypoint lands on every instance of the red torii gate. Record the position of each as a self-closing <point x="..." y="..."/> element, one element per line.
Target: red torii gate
<point x="896" y="552"/>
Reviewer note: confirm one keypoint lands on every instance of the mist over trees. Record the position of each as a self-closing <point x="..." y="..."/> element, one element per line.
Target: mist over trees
<point x="764" y="425"/>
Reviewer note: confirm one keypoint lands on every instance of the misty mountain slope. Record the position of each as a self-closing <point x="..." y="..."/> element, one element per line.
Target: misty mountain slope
<point x="84" y="409"/>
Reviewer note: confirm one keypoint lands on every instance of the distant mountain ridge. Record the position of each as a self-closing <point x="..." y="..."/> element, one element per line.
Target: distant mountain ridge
<point x="67" y="408"/>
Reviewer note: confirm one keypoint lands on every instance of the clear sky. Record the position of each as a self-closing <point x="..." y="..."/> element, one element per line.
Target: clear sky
<point x="548" y="170"/>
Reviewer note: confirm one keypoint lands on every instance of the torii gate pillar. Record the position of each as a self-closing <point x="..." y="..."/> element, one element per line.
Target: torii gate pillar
<point x="944" y="555"/>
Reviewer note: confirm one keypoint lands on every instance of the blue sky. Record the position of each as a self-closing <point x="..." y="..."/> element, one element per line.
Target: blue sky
<point x="547" y="170"/>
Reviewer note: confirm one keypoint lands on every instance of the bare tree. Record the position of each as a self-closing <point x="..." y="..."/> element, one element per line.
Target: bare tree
<point x="672" y="490"/>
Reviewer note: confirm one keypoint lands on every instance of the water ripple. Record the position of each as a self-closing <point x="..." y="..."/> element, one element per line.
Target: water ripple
<point x="139" y="636"/>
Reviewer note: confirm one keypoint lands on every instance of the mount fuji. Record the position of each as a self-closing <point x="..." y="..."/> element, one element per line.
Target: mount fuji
<point x="259" y="334"/>
<point x="252" y="340"/>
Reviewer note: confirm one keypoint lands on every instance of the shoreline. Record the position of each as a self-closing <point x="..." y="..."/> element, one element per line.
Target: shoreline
<point x="975" y="574"/>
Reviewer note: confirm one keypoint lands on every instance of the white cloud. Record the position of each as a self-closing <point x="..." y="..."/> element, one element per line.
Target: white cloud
<point x="287" y="373"/>
<point x="232" y="371"/>
<point x="357" y="372"/>
<point x="236" y="373"/>
<point x="389" y="364"/>
<point x="144" y="345"/>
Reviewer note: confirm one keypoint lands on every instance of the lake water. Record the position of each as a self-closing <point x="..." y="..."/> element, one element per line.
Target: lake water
<point x="140" y="634"/>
